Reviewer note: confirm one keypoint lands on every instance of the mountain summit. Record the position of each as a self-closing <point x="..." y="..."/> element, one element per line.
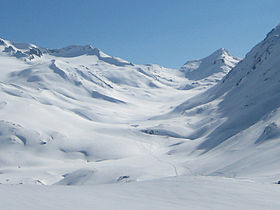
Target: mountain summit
<point x="246" y="103"/>
<point x="218" y="64"/>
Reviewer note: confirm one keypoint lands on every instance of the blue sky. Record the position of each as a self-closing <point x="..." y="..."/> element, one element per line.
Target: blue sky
<point x="156" y="31"/>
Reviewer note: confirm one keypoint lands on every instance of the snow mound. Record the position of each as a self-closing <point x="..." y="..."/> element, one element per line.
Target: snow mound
<point x="12" y="133"/>
<point x="78" y="177"/>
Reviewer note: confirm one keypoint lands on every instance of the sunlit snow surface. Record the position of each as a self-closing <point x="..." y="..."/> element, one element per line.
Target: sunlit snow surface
<point x="138" y="136"/>
<point x="184" y="192"/>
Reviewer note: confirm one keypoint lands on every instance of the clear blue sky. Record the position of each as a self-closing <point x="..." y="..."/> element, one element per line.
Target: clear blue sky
<point x="142" y="31"/>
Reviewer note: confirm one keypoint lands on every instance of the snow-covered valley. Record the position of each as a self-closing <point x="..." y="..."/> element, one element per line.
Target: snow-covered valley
<point x="76" y="116"/>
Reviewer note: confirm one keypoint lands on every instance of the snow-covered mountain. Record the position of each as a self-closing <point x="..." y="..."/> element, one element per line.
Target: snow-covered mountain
<point x="76" y="116"/>
<point x="214" y="67"/>
<point x="249" y="91"/>
<point x="234" y="126"/>
<point x="81" y="106"/>
<point x="80" y="88"/>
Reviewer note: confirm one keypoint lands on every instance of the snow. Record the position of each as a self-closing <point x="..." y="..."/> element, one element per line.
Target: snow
<point x="169" y="193"/>
<point x="81" y="128"/>
<point x="216" y="65"/>
<point x="236" y="122"/>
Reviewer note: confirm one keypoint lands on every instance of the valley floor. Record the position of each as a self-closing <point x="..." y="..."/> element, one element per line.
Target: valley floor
<point x="185" y="192"/>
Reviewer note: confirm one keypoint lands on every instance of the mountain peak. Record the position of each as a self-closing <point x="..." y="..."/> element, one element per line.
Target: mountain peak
<point x="274" y="32"/>
<point x="220" y="52"/>
<point x="220" y="61"/>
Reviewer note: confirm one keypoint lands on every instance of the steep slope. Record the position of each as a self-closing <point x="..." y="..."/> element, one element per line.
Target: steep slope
<point x="252" y="89"/>
<point x="248" y="92"/>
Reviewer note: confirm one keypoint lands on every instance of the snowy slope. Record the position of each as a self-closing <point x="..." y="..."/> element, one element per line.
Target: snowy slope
<point x="249" y="91"/>
<point x="213" y="67"/>
<point x="74" y="112"/>
<point x="234" y="126"/>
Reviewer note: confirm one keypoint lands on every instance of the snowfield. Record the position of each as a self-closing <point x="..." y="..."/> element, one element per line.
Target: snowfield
<point x="184" y="192"/>
<point x="80" y="129"/>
